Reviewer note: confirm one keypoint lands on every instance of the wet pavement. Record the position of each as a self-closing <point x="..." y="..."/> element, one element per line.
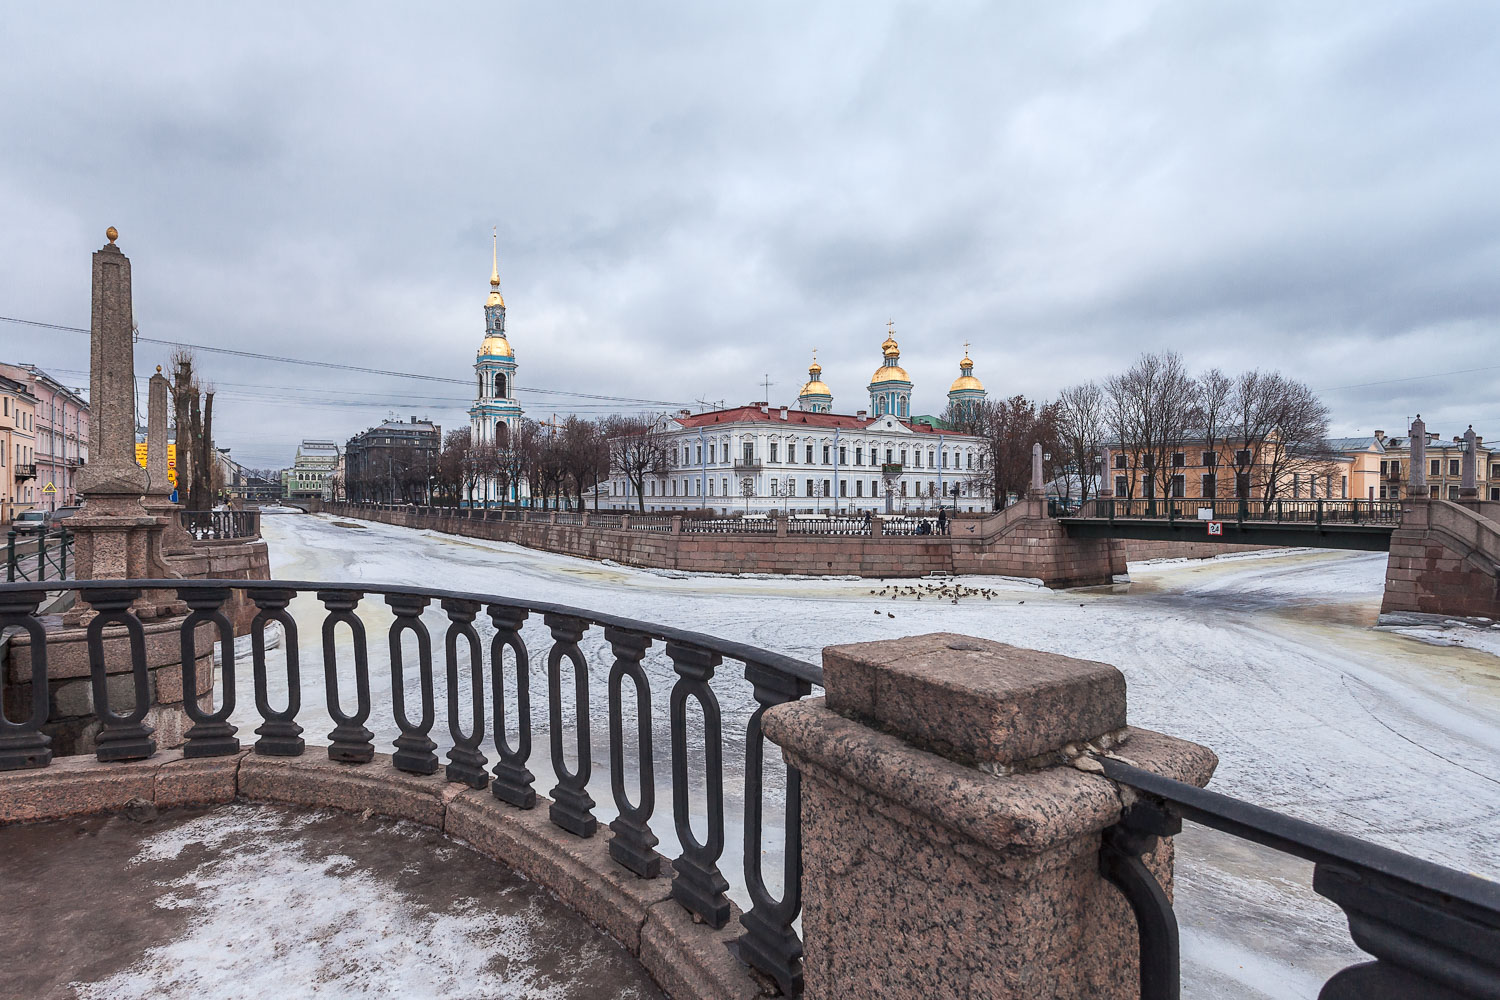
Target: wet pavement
<point x="259" y="901"/>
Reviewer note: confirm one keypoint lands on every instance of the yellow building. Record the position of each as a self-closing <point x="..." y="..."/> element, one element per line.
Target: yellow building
<point x="18" y="487"/>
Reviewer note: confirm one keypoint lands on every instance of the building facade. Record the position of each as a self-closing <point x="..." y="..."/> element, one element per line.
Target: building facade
<point x="62" y="435"/>
<point x="394" y="462"/>
<point x="759" y="458"/>
<point x="312" y="472"/>
<point x="18" y="487"/>
<point x="495" y="416"/>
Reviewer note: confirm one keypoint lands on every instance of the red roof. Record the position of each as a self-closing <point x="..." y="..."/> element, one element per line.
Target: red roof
<point x="794" y="418"/>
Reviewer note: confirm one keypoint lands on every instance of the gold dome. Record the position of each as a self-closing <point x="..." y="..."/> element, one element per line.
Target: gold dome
<point x="496" y="347"/>
<point x="815" y="370"/>
<point x="966" y="382"/>
<point x="816" y="388"/>
<point x="890" y="348"/>
<point x="889" y="373"/>
<point x="494" y="300"/>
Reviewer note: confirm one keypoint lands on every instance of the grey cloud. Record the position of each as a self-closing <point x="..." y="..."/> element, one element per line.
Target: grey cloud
<point x="691" y="195"/>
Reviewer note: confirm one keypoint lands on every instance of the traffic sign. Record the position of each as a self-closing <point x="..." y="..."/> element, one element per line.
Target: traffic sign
<point x="173" y="496"/>
<point x="49" y="488"/>
<point x="1216" y="527"/>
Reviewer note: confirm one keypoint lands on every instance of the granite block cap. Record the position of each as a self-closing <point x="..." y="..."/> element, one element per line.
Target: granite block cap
<point x="972" y="700"/>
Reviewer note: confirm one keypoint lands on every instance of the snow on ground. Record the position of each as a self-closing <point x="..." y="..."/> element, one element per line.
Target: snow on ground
<point x="256" y="902"/>
<point x="1270" y="660"/>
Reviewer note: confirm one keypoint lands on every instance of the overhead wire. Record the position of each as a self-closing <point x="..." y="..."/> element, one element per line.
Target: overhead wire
<point x="282" y="359"/>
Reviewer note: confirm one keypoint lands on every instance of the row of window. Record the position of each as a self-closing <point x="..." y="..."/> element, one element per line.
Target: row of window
<point x="934" y="456"/>
<point x="1208" y="485"/>
<point x="1206" y="459"/>
<point x="21" y="418"/>
<point x="1435" y="468"/>
<point x="810" y="487"/>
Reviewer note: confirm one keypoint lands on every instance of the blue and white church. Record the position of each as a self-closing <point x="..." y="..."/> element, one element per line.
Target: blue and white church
<point x="495" y="416"/>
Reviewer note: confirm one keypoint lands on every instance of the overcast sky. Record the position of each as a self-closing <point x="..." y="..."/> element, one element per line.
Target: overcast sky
<point x="690" y="197"/>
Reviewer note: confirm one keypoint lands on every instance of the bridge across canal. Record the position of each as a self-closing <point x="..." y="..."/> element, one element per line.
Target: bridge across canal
<point x="1366" y="525"/>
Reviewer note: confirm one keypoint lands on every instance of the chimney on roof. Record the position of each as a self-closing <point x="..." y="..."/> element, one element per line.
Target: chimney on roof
<point x="1380" y="436"/>
<point x="783" y="413"/>
<point x="684" y="413"/>
<point x="413" y="418"/>
<point x="764" y="407"/>
<point x="859" y="414"/>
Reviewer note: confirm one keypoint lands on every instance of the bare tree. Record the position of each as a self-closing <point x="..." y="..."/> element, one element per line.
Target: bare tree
<point x="453" y="464"/>
<point x="1212" y="416"/>
<point x="1009" y="428"/>
<point x="585" y="457"/>
<point x="1150" y="407"/>
<point x="637" y="449"/>
<point x="1080" y="428"/>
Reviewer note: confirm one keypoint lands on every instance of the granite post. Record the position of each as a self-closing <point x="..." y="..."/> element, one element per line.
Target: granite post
<point x="157" y="501"/>
<point x="1037" y="486"/>
<point x="1469" y="487"/>
<point x="1416" y="486"/>
<point x="952" y="820"/>
<point x="114" y="536"/>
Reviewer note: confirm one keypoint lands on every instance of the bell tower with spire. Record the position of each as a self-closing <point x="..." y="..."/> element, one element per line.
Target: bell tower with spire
<point x="495" y="416"/>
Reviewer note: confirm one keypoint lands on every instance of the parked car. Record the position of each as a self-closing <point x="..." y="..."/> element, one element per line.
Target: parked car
<point x="60" y="514"/>
<point x="30" y="520"/>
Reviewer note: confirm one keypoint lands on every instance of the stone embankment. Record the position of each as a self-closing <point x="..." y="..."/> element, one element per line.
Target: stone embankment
<point x="1019" y="541"/>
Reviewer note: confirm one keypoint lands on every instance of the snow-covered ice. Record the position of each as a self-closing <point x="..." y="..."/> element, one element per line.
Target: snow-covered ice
<point x="1271" y="660"/>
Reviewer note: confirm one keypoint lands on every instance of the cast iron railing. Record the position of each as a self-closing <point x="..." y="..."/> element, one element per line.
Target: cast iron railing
<point x="650" y="522"/>
<point x="769" y="943"/>
<point x="827" y="526"/>
<point x="1434" y="932"/>
<point x="728" y="526"/>
<point x="37" y="555"/>
<point x="215" y="525"/>
<point x="1317" y="512"/>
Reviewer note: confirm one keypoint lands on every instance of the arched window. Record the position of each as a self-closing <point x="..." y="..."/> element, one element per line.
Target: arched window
<point x="480" y="376"/>
<point x="502" y="434"/>
<point x="500" y="384"/>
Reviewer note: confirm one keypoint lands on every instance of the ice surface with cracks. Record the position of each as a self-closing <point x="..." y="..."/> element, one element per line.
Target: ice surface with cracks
<point x="1269" y="658"/>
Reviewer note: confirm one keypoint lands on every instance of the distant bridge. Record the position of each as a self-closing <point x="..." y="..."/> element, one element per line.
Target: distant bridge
<point x="1324" y="524"/>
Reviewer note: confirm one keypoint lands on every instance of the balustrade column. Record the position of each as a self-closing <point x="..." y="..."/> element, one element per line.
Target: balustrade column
<point x="512" y="780"/>
<point x="465" y="761"/>
<point x="699" y="885"/>
<point x="572" y="807"/>
<point x="951" y="835"/>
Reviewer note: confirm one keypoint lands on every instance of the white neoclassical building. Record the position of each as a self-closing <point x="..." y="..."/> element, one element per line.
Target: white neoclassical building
<point x="758" y="458"/>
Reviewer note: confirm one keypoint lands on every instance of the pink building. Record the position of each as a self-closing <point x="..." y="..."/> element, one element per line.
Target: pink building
<point x="62" y="435"/>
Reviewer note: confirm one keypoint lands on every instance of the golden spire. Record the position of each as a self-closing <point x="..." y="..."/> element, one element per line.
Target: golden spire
<point x="495" y="298"/>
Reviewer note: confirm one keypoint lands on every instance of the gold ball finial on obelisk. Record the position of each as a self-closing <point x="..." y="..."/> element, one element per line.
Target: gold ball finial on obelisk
<point x="112" y="234"/>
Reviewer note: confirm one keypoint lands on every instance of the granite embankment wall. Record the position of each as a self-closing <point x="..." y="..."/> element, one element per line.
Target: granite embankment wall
<point x="1140" y="550"/>
<point x="1019" y="541"/>
<point x="1445" y="560"/>
<point x="230" y="559"/>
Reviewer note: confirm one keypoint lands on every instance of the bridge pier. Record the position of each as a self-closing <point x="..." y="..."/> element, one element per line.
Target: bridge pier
<point x="1445" y="560"/>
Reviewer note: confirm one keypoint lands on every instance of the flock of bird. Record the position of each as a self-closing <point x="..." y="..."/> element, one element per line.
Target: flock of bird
<point x="939" y="591"/>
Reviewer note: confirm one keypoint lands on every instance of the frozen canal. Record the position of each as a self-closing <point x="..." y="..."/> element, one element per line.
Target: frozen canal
<point x="1269" y="659"/>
